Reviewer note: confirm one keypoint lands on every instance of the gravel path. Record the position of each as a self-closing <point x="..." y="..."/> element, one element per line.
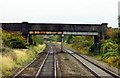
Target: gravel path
<point x="100" y="63"/>
<point x="69" y="67"/>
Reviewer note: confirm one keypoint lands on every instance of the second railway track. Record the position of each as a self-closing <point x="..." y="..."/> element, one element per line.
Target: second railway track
<point x="96" y="70"/>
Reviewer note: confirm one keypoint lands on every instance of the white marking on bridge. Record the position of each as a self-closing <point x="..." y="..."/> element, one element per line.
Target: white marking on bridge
<point x="72" y="33"/>
<point x="81" y="33"/>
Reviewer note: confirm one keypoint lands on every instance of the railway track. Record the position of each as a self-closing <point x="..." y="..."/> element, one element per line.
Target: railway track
<point x="96" y="70"/>
<point x="46" y="69"/>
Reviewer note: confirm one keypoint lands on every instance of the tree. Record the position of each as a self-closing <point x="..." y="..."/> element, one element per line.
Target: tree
<point x="13" y="40"/>
<point x="37" y="39"/>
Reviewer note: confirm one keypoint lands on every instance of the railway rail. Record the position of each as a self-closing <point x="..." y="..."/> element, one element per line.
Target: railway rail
<point x="47" y="69"/>
<point x="95" y="69"/>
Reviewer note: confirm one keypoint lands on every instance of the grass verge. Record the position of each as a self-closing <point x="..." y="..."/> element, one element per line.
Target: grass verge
<point x="113" y="61"/>
<point x="17" y="57"/>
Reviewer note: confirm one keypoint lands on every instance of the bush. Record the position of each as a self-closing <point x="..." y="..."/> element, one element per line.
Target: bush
<point x="108" y="46"/>
<point x="7" y="65"/>
<point x="4" y="49"/>
<point x="37" y="39"/>
<point x="14" y="40"/>
<point x="82" y="43"/>
<point x="114" y="61"/>
<point x="1" y="40"/>
<point x="109" y="52"/>
<point x="18" y="57"/>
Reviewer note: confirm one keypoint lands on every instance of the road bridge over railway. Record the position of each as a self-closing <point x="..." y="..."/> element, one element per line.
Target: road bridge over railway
<point x="28" y="29"/>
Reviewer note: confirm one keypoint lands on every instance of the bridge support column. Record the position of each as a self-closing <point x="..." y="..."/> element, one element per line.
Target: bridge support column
<point x="62" y="40"/>
<point x="29" y="39"/>
<point x="104" y="29"/>
<point x="96" y="44"/>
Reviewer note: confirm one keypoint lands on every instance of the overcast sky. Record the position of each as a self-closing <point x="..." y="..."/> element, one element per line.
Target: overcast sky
<point x="60" y="11"/>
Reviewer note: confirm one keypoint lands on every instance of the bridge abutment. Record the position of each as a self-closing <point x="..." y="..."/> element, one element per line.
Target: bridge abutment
<point x="103" y="30"/>
<point x="30" y="39"/>
<point x="96" y="44"/>
<point x="62" y="40"/>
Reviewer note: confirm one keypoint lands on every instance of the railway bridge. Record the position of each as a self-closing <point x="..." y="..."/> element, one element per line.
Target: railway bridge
<point x="28" y="29"/>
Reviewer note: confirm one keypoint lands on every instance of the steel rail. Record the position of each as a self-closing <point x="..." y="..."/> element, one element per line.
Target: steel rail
<point x="44" y="61"/>
<point x="108" y="71"/>
<point x="40" y="68"/>
<point x="94" y="73"/>
<point x="55" y="64"/>
<point x="23" y="69"/>
<point x="97" y="76"/>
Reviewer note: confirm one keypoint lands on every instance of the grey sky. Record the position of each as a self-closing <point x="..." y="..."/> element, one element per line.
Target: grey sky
<point x="60" y="11"/>
<point x="119" y="8"/>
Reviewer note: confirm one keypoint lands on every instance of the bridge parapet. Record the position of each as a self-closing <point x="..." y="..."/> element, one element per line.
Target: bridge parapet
<point x="65" y="27"/>
<point x="27" y="29"/>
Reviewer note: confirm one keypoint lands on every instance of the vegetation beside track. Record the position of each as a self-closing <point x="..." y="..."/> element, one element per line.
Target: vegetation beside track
<point x="15" y="52"/>
<point x="16" y="58"/>
<point x="109" y="48"/>
<point x="13" y="40"/>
